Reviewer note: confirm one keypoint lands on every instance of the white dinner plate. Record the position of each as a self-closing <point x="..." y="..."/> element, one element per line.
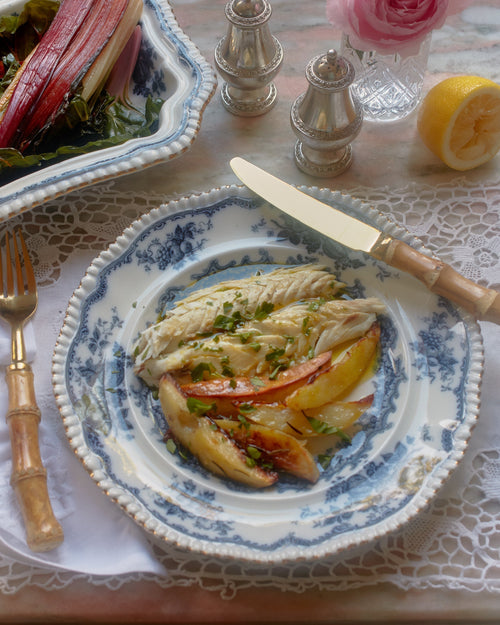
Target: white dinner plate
<point x="426" y="387"/>
<point x="171" y="68"/>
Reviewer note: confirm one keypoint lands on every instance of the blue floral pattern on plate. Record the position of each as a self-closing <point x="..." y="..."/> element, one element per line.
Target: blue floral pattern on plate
<point x="426" y="388"/>
<point x="170" y="67"/>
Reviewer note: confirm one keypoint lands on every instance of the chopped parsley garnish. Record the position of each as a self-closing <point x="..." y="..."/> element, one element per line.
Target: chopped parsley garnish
<point x="306" y="329"/>
<point x="171" y="446"/>
<point x="275" y="354"/>
<point x="323" y="428"/>
<point x="257" y="382"/>
<point x="263" y="310"/>
<point x="243" y="422"/>
<point x="246" y="408"/>
<point x="223" y="322"/>
<point x="199" y="407"/>
<point x="253" y="452"/>
<point x="325" y="460"/>
<point x="198" y="373"/>
<point x="314" y="306"/>
<point x="228" y="371"/>
<point x="282" y="366"/>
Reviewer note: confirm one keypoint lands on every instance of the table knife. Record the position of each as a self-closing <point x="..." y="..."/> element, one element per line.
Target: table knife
<point x="439" y="277"/>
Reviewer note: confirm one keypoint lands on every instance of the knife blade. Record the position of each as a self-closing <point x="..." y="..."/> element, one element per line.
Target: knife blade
<point x="438" y="277"/>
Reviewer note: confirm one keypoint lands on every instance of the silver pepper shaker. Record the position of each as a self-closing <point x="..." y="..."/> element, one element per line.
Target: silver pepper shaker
<point x="248" y="58"/>
<point x="327" y="117"/>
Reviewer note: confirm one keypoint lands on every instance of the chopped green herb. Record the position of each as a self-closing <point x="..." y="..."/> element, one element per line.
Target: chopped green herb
<point x="228" y="371"/>
<point x="171" y="446"/>
<point x="325" y="460"/>
<point x="315" y="305"/>
<point x="223" y="322"/>
<point x="245" y="336"/>
<point x="263" y="310"/>
<point x="243" y="422"/>
<point x="227" y="307"/>
<point x="246" y="408"/>
<point x="282" y="366"/>
<point x="197" y="374"/>
<point x="323" y="428"/>
<point x="306" y="330"/>
<point x="253" y="452"/>
<point x="275" y="354"/>
<point x="199" y="407"/>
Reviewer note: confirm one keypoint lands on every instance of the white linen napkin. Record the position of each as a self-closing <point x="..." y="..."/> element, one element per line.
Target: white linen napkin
<point x="99" y="538"/>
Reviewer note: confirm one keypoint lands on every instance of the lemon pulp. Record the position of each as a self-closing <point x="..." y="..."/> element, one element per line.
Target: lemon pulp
<point x="459" y="120"/>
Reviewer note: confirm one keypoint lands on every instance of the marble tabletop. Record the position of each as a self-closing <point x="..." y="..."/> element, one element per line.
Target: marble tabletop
<point x="385" y="157"/>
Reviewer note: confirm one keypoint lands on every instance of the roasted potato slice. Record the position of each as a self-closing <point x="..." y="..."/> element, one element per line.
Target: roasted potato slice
<point x="213" y="447"/>
<point x="284" y="451"/>
<point x="339" y="377"/>
<point x="277" y="416"/>
<point x="340" y="414"/>
<point x="262" y="389"/>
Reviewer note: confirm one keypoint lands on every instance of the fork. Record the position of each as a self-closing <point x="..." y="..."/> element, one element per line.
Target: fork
<point x="29" y="476"/>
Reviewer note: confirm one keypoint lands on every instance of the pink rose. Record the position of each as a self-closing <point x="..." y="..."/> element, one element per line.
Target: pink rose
<point x="389" y="26"/>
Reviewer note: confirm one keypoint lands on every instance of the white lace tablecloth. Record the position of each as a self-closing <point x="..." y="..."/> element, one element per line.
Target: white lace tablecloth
<point x="453" y="544"/>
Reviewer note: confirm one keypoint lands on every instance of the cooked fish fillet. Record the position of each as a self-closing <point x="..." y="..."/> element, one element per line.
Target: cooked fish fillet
<point x="195" y="315"/>
<point x="288" y="336"/>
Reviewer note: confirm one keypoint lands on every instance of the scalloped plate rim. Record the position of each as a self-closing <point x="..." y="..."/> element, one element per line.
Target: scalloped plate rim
<point x="123" y="498"/>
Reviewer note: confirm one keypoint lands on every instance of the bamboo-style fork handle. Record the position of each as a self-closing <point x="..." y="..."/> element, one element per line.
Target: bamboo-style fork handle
<point x="29" y="477"/>
<point x="18" y="302"/>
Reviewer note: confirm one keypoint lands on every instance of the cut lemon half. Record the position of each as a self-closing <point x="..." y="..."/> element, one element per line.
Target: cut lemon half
<point x="459" y="120"/>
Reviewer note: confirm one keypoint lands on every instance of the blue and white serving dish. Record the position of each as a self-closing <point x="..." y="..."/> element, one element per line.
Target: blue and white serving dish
<point x="177" y="73"/>
<point x="426" y="387"/>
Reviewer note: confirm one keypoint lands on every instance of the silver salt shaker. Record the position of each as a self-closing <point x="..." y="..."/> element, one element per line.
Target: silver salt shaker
<point x="327" y="117"/>
<point x="248" y="58"/>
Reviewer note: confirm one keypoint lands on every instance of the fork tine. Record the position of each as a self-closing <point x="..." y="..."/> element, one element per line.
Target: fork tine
<point x="8" y="268"/>
<point x="17" y="264"/>
<point x="28" y="267"/>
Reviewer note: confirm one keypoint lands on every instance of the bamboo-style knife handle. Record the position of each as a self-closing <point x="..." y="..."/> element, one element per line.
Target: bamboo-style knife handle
<point x="440" y="278"/>
<point x="29" y="477"/>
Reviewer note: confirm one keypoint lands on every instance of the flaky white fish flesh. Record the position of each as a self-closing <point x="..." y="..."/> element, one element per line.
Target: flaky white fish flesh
<point x="289" y="336"/>
<point x="305" y="321"/>
<point x="195" y="315"/>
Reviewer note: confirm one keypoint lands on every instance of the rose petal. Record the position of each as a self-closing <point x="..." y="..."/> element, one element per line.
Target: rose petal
<point x="389" y="26"/>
